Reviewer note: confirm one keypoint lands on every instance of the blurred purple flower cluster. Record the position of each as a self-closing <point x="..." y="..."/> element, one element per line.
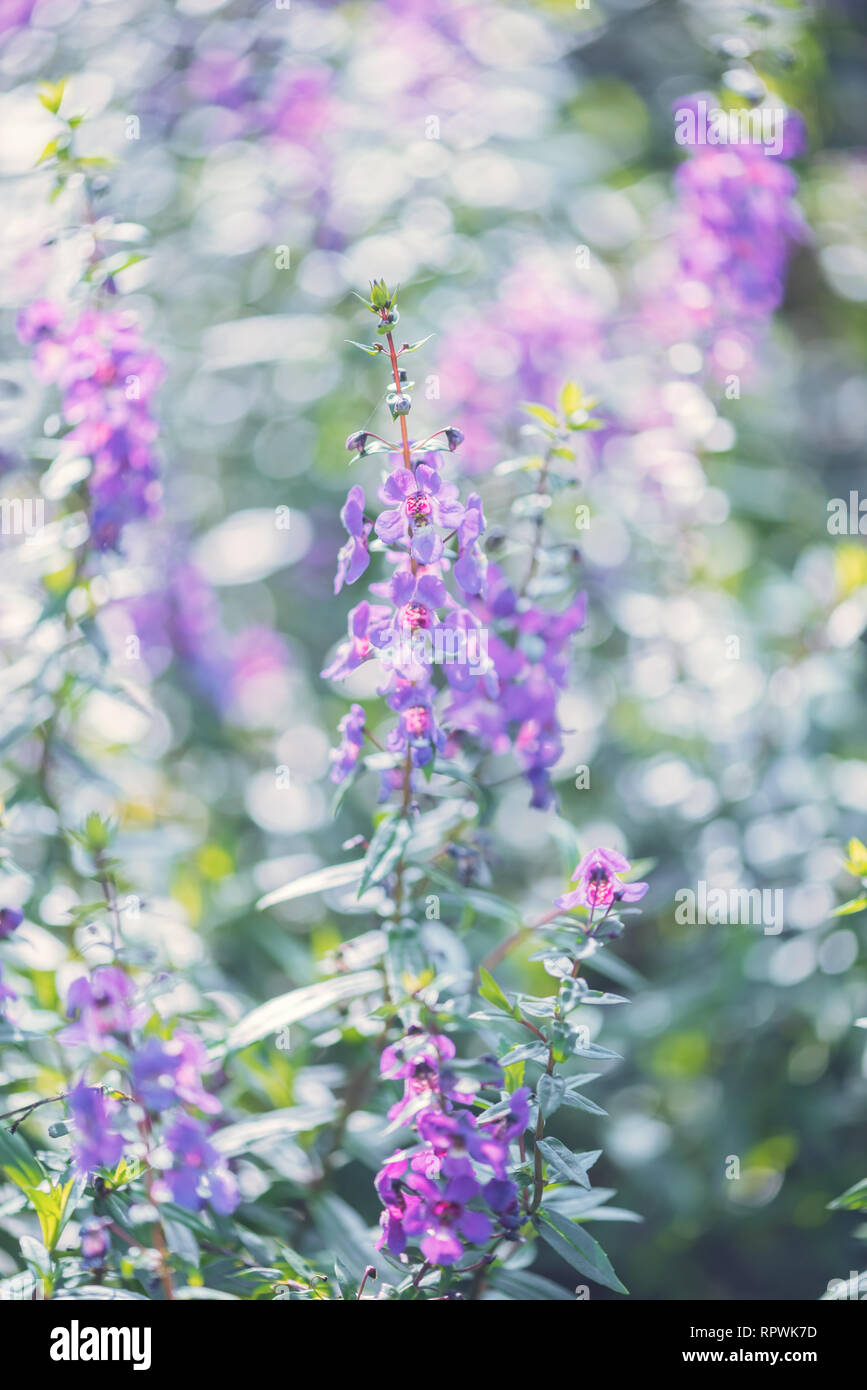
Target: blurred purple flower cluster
<point x="182" y="621"/>
<point x="515" y="706"/>
<point x="539" y="330"/>
<point x="452" y="1188"/>
<point x="166" y="1083"/>
<point x="735" y="223"/>
<point x="106" y="378"/>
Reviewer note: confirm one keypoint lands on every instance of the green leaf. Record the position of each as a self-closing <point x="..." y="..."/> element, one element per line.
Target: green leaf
<point x="594" y="1050"/>
<point x="51" y="149"/>
<point x="386" y="848"/>
<point x="526" y="1052"/>
<point x="571" y="398"/>
<point x="51" y="95"/>
<point x="376" y="347"/>
<point x="853" y="1199"/>
<point x="100" y="1293"/>
<point x="541" y="412"/>
<point x="49" y="1207"/>
<point x="857" y="861"/>
<point x="486" y="905"/>
<point x="575" y="1201"/>
<point x="198" y="1292"/>
<point x="19" y="1163"/>
<point x="490" y="990"/>
<point x="521" y="1286"/>
<point x="550" y="1092"/>
<point x="116" y="264"/>
<point x="300" y="1003"/>
<point x="519" y="465"/>
<point x="97" y="832"/>
<point x="846" y="909"/>
<point x="563" y="1165"/>
<point x="246" y="1135"/>
<point x="320" y="881"/>
<point x="578" y="1248"/>
<point x="414" y="347"/>
<point x="345" y="1236"/>
<point x="598" y="996"/>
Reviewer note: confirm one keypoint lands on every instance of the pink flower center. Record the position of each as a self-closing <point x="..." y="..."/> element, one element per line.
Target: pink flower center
<point x="416" y="719"/>
<point x="415" y="616"/>
<point x="600" y="888"/>
<point x="446" y="1211"/>
<point x="419" y="508"/>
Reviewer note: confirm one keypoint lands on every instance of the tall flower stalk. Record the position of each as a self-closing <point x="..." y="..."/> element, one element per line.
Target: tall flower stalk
<point x="477" y="1175"/>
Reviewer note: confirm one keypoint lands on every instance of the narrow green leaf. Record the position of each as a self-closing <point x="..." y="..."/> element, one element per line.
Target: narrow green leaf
<point x="389" y="841"/>
<point x="563" y="1165"/>
<point x="300" y="1003"/>
<point x="414" y="347"/>
<point x="541" y="412"/>
<point x="550" y="1092"/>
<point x="490" y="990"/>
<point x="853" y="1199"/>
<point x="18" y="1162"/>
<point x="320" y="881"/>
<point x="51" y="95"/>
<point x="578" y="1248"/>
<point x="846" y="909"/>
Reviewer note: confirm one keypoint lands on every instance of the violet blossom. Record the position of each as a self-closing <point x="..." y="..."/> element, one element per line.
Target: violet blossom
<point x="599" y="883"/>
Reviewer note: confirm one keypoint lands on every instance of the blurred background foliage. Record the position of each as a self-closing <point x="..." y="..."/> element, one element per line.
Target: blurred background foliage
<point x="268" y="161"/>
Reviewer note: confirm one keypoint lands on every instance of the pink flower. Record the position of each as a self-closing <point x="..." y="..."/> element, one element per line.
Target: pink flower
<point x="599" y="884"/>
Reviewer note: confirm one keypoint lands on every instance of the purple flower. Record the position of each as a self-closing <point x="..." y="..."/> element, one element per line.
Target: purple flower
<point x="95" y="1240"/>
<point x="515" y="703"/>
<point x="345" y="757"/>
<point x="471" y="564"/>
<point x="736" y="222"/>
<point x="501" y="1196"/>
<point x="6" y="992"/>
<point x="354" y="556"/>
<point x="427" y="1192"/>
<point x="102" y="1005"/>
<point x="417" y="1060"/>
<point x="416" y="731"/>
<point x="598" y="883"/>
<point x="95" y="1143"/>
<point x="106" y="378"/>
<point x="498" y="1133"/>
<point x="351" y="654"/>
<point x="168" y="1072"/>
<point x="38" y="320"/>
<point x="422" y="589"/>
<point x="198" y="1174"/>
<point x="423" y="500"/>
<point x="416" y="1046"/>
<point x="10" y="919"/>
<point x="440" y="1218"/>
